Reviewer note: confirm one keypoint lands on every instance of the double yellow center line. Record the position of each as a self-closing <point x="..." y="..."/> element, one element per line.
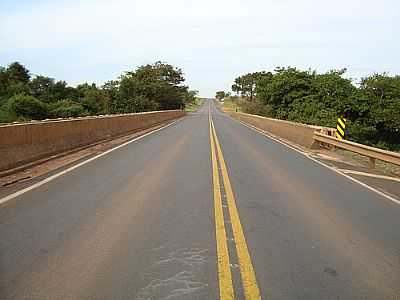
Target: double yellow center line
<point x="247" y="273"/>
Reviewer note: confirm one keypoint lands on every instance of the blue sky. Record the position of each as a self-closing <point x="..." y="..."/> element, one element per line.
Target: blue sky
<point x="213" y="41"/>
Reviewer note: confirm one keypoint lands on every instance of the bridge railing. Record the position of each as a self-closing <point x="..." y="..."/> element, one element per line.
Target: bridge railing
<point x="25" y="143"/>
<point x="371" y="152"/>
<point x="314" y="136"/>
<point x="297" y="133"/>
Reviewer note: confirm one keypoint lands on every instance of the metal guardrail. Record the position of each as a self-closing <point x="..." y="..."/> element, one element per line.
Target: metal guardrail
<point x="371" y="152"/>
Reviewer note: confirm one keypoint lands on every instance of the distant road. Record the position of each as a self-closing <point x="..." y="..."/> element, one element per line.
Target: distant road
<point x="203" y="209"/>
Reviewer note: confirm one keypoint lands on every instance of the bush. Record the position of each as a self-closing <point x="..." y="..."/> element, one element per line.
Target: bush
<point x="372" y="108"/>
<point x="4" y="116"/>
<point x="255" y="108"/>
<point x="28" y="107"/>
<point x="66" y="109"/>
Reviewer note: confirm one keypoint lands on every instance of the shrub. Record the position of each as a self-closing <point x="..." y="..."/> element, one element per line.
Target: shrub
<point x="255" y="108"/>
<point x="67" y="108"/>
<point x="28" y="107"/>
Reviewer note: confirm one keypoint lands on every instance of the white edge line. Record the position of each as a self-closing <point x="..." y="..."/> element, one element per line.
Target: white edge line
<point x="393" y="199"/>
<point x="46" y="180"/>
<point x="377" y="176"/>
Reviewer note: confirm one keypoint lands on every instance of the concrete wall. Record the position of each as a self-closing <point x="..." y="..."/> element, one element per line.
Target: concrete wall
<point x="27" y="142"/>
<point x="297" y="133"/>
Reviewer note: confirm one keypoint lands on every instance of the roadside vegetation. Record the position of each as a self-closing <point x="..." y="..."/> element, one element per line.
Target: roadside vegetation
<point x="231" y="104"/>
<point x="193" y="105"/>
<point x="371" y="106"/>
<point x="24" y="97"/>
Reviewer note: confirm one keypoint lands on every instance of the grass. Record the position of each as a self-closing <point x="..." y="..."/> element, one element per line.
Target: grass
<point x="230" y="105"/>
<point x="192" y="107"/>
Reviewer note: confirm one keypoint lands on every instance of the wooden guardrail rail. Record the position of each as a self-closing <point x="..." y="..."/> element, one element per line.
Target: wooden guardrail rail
<point x="371" y="152"/>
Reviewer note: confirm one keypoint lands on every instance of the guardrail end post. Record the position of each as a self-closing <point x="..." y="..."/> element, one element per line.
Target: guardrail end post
<point x="371" y="163"/>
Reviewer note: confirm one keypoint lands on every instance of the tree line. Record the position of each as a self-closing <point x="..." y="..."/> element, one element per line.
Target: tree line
<point x="157" y="86"/>
<point x="371" y="107"/>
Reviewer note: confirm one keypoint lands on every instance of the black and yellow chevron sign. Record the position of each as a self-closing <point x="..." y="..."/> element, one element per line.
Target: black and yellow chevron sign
<point x="341" y="128"/>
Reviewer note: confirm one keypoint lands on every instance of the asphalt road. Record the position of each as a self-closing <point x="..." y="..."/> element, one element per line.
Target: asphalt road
<point x="169" y="217"/>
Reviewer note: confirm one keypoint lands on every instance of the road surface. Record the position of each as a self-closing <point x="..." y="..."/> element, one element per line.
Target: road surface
<point x="203" y="209"/>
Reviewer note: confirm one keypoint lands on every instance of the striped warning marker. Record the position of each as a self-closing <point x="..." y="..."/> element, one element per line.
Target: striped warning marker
<point x="341" y="128"/>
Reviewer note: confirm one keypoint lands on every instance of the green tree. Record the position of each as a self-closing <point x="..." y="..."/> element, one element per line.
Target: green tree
<point x="40" y="87"/>
<point x="95" y="101"/>
<point x="17" y="73"/>
<point x="372" y="110"/>
<point x="111" y="89"/>
<point x="131" y="93"/>
<point x="60" y="90"/>
<point x="149" y="87"/>
<point x="378" y="118"/>
<point x="67" y="108"/>
<point x="220" y="95"/>
<point x="3" y="84"/>
<point x="246" y="85"/>
<point x="13" y="80"/>
<point x="285" y="87"/>
<point x="28" y="107"/>
<point x="160" y="83"/>
<point x="191" y="96"/>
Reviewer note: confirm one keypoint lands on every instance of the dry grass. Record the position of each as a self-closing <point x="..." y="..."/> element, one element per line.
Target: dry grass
<point x="230" y="105"/>
<point x="192" y="107"/>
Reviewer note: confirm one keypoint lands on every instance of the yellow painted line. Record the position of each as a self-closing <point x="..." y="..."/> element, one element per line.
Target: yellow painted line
<point x="247" y="273"/>
<point x="224" y="271"/>
<point x="341" y="123"/>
